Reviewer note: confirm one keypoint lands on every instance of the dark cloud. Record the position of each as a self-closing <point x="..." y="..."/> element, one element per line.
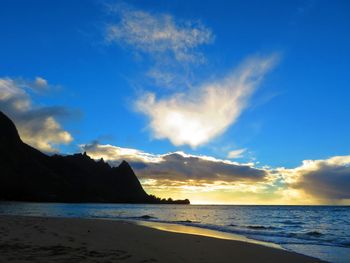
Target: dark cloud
<point x="176" y="166"/>
<point x="328" y="181"/>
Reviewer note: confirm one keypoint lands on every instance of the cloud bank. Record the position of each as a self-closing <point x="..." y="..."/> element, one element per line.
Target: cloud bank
<point x="196" y="117"/>
<point x="313" y="182"/>
<point x="176" y="166"/>
<point x="37" y="126"/>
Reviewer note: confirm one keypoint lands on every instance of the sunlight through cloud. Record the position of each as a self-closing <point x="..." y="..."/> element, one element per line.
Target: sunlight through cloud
<point x="196" y="117"/>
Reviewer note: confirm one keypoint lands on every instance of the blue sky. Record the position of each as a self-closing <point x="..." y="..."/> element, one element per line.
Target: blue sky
<point x="99" y="75"/>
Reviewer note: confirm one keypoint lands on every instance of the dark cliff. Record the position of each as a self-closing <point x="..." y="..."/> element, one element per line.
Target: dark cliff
<point x="27" y="174"/>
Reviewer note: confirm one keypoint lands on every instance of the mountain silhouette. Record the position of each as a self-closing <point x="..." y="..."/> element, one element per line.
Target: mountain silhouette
<point x="27" y="174"/>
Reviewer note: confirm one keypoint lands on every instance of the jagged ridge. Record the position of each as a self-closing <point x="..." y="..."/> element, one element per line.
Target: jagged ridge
<point x="27" y="174"/>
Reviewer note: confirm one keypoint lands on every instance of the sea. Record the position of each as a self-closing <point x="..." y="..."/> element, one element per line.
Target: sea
<point x="318" y="231"/>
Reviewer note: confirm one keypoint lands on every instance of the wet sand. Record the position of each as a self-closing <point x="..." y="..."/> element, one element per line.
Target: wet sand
<point x="39" y="239"/>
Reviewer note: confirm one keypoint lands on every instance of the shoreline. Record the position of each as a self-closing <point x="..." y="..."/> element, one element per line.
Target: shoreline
<point x="201" y="231"/>
<point x="56" y="239"/>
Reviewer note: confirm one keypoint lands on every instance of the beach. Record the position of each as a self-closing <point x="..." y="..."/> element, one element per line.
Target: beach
<point x="43" y="239"/>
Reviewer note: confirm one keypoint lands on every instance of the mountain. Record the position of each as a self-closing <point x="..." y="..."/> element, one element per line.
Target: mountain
<point x="27" y="174"/>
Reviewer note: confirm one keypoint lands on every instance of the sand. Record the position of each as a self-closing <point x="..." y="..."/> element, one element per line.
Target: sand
<point x="38" y="239"/>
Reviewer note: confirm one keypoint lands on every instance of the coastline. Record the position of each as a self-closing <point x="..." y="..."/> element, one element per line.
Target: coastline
<point x="49" y="239"/>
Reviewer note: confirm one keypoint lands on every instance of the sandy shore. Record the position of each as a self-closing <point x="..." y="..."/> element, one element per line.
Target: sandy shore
<point x="32" y="239"/>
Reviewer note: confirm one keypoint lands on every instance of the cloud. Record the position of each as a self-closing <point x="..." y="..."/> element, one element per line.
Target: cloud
<point x="158" y="34"/>
<point x="41" y="82"/>
<point x="196" y="117"/>
<point x="115" y="154"/>
<point x="37" y="126"/>
<point x="314" y="182"/>
<point x="166" y="79"/>
<point x="236" y="153"/>
<point x="325" y="179"/>
<point x="181" y="166"/>
<point x="177" y="166"/>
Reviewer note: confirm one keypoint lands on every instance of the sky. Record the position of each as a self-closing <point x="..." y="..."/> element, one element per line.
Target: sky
<point x="222" y="102"/>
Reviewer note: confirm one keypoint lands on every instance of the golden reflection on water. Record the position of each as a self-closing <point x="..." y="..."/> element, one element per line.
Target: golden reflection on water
<point x="191" y="230"/>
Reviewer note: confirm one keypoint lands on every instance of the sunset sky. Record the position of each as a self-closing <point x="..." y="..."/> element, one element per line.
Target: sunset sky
<point x="223" y="102"/>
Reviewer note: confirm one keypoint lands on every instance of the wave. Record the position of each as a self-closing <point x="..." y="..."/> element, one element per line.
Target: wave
<point x="345" y="243"/>
<point x="144" y="217"/>
<point x="258" y="227"/>
<point x="257" y="232"/>
<point x="314" y="233"/>
<point x="187" y="221"/>
<point x="260" y="233"/>
<point x="290" y="222"/>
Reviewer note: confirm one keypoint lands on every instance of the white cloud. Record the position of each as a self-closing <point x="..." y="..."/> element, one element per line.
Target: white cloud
<point x="165" y="79"/>
<point x="116" y="154"/>
<point x="41" y="82"/>
<point x="37" y="126"/>
<point x="196" y="117"/>
<point x="236" y="153"/>
<point x="158" y="34"/>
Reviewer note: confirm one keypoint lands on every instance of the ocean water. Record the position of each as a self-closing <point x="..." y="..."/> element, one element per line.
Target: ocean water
<point x="318" y="231"/>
